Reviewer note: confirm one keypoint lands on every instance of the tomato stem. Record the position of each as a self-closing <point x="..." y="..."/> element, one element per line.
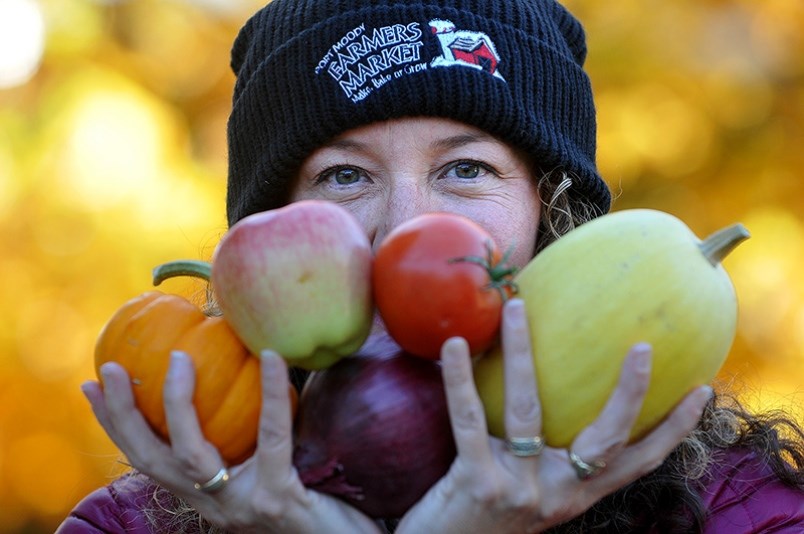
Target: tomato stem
<point x="196" y="268"/>
<point x="500" y="273"/>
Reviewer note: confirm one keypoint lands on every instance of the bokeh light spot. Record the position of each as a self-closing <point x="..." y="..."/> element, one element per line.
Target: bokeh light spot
<point x="768" y="287"/>
<point x="114" y="147"/>
<point x="22" y="41"/>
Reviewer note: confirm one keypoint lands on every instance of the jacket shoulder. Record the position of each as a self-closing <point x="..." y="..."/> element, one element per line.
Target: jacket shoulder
<point x="744" y="496"/>
<point x="114" y="509"/>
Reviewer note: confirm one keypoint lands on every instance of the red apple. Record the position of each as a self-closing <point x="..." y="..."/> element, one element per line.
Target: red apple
<point x="297" y="280"/>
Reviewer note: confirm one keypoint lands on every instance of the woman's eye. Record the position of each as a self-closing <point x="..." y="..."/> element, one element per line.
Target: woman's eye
<point x="467" y="170"/>
<point x="342" y="175"/>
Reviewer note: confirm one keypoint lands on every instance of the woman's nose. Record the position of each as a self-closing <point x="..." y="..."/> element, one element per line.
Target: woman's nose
<point x="404" y="201"/>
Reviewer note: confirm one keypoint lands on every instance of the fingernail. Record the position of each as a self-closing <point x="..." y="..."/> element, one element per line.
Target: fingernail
<point x="447" y="355"/>
<point x="516" y="303"/>
<point x="642" y="357"/>
<point x="176" y="359"/>
<point x="105" y="370"/>
<point x="85" y="388"/>
<point x="270" y="361"/>
<point x="269" y="357"/>
<point x="453" y="349"/>
<point x="514" y="311"/>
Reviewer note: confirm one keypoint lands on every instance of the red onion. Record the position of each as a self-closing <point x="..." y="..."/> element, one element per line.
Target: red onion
<point x="373" y="429"/>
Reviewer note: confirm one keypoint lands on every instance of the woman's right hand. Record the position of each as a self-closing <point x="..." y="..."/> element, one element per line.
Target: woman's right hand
<point x="264" y="494"/>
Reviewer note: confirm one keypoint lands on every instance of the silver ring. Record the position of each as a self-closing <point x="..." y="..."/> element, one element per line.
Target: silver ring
<point x="585" y="470"/>
<point x="215" y="483"/>
<point x="525" y="446"/>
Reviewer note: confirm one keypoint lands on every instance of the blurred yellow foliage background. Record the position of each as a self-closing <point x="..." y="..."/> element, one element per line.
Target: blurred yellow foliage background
<point x="113" y="160"/>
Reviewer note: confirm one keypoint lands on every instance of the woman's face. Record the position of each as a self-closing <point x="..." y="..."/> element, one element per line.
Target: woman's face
<point x="389" y="172"/>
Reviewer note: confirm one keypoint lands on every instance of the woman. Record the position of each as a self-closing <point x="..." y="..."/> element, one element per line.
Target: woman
<point x="392" y="109"/>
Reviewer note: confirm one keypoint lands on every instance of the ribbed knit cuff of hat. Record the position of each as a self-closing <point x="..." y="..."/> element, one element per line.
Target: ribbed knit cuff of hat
<point x="309" y="70"/>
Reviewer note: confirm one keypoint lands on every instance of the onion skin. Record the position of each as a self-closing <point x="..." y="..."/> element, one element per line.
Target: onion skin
<point x="374" y="430"/>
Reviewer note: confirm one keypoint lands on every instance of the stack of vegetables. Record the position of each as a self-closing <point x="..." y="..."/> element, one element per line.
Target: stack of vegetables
<point x="371" y="425"/>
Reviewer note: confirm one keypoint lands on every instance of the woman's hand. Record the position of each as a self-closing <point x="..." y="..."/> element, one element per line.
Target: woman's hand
<point x="264" y="494"/>
<point x="489" y="489"/>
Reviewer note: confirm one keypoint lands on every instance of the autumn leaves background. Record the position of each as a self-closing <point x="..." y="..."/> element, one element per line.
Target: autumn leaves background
<point x="113" y="160"/>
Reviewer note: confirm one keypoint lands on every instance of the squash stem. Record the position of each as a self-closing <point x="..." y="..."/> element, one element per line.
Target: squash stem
<point x="718" y="245"/>
<point x="196" y="268"/>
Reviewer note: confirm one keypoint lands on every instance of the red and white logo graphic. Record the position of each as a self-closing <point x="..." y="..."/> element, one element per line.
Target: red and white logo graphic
<point x="464" y="48"/>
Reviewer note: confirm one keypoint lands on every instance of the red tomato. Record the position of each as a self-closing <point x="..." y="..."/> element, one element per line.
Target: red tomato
<point x="436" y="276"/>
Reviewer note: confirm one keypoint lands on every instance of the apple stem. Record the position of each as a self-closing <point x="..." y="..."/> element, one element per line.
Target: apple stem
<point x="718" y="245"/>
<point x="196" y="268"/>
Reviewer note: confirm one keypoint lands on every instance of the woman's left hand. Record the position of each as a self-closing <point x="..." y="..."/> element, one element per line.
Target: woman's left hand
<point x="489" y="489"/>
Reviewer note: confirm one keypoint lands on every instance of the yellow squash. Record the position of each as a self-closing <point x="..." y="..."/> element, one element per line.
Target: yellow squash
<point x="629" y="276"/>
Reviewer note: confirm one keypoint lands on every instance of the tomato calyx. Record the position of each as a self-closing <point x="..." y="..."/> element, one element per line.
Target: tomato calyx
<point x="500" y="273"/>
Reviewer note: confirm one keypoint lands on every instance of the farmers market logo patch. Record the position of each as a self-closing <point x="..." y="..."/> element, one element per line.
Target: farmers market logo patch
<point x="364" y="59"/>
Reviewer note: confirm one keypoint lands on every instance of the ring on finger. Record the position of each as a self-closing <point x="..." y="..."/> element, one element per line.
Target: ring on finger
<point x="524" y="447"/>
<point x="216" y="483"/>
<point x="583" y="469"/>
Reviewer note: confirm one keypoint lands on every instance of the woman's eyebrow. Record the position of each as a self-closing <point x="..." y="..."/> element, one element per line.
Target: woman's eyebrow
<point x="345" y="144"/>
<point x="457" y="141"/>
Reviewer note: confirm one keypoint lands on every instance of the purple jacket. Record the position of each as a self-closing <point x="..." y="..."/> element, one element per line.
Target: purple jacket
<point x="742" y="496"/>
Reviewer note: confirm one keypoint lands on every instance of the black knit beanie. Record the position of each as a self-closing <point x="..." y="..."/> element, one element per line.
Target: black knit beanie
<point x="308" y="70"/>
